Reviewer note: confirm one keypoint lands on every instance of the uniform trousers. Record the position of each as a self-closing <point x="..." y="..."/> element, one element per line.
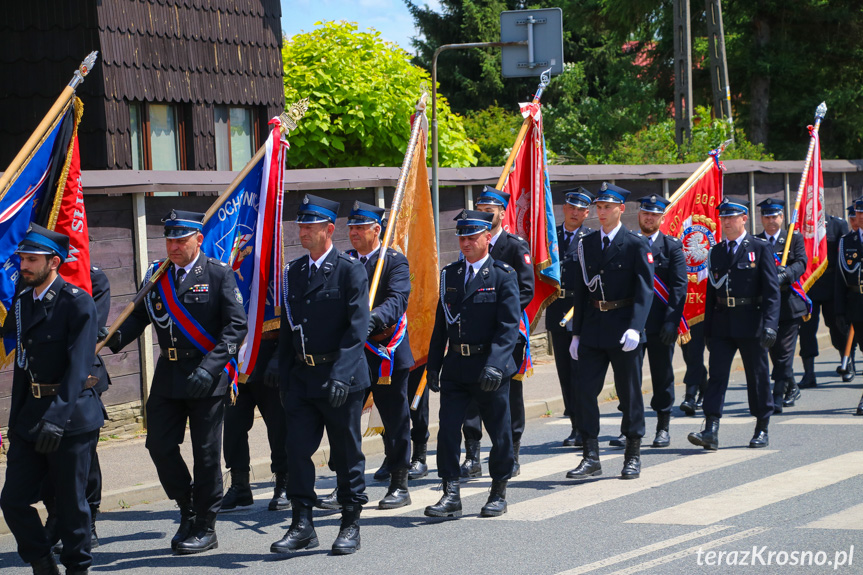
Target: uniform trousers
<point x="593" y="365"/>
<point x="67" y="469"/>
<point x="455" y="399"/>
<point x="695" y="378"/>
<point x="567" y="368"/>
<point x="809" y="330"/>
<point x="659" y="357"/>
<point x="239" y="419"/>
<point x="307" y="417"/>
<point x="420" y="415"/>
<point x="755" y="365"/>
<point x="782" y="352"/>
<point x="392" y="403"/>
<point x="166" y="429"/>
<point x="472" y="423"/>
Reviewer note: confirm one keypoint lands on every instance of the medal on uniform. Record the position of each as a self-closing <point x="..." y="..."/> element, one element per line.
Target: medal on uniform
<point x="751" y="256"/>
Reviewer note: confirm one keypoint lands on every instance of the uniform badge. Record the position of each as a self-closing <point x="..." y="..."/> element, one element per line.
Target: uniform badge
<point x="604" y="187"/>
<point x="173" y="215"/>
<point x="527" y="259"/>
<point x="199" y="270"/>
<point x="306" y="200"/>
<point x="50" y="294"/>
<point x="650" y="257"/>
<point x="356" y="205"/>
<point x="232" y="348"/>
<point x="200" y="288"/>
<point x="485" y="273"/>
<point x="752" y="256"/>
<point x="158" y="307"/>
<point x="238" y="296"/>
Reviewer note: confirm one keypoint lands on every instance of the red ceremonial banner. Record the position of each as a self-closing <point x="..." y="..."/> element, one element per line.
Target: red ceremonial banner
<point x="813" y="222"/>
<point x="694" y="218"/>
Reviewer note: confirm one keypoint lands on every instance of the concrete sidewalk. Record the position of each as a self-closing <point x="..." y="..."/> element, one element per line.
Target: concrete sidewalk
<point x="129" y="477"/>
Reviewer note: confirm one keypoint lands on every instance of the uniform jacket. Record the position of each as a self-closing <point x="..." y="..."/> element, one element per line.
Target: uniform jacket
<point x="391" y="302"/>
<point x="514" y="251"/>
<point x="848" y="277"/>
<point x="570" y="272"/>
<point x="209" y="293"/>
<point x="823" y="288"/>
<point x="59" y="341"/>
<point x="791" y="305"/>
<point x="669" y="265"/>
<point x="751" y="274"/>
<point x="330" y="316"/>
<point x="102" y="299"/>
<point x="625" y="271"/>
<point x="488" y="311"/>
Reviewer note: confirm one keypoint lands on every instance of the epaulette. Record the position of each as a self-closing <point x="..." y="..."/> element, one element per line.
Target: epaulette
<point x="352" y="253"/>
<point x="392" y="253"/>
<point x="762" y="240"/>
<point x="73" y="289"/>
<point x="454" y="264"/>
<point x="215" y="261"/>
<point x="519" y="238"/>
<point x="297" y="259"/>
<point x="94" y="268"/>
<point x="348" y="257"/>
<point x="673" y="239"/>
<point x="503" y="265"/>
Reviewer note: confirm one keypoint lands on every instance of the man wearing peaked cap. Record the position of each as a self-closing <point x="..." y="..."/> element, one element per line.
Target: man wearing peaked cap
<point x="848" y="291"/>
<point x="55" y="413"/>
<point x="612" y="300"/>
<point x="193" y="375"/>
<point x="513" y="250"/>
<point x="576" y="209"/>
<point x="670" y="282"/>
<point x="324" y="375"/>
<point x="741" y="314"/>
<point x="793" y="303"/>
<point x="471" y="360"/>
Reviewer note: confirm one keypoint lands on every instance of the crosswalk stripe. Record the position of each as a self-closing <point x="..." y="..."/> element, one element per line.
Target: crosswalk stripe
<point x="757" y="494"/>
<point x="647" y="549"/>
<point x="591" y="493"/>
<point x="851" y="519"/>
<point x="690" y="551"/>
<point x="822" y="421"/>
<point x="691" y="421"/>
<point x="529" y="472"/>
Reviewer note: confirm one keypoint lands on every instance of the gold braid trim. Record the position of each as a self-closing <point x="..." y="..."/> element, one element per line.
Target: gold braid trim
<point x="64" y="175"/>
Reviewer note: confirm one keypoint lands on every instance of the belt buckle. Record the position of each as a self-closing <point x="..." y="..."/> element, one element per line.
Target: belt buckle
<point x="730" y="302"/>
<point x="36" y="390"/>
<point x="172" y="354"/>
<point x="310" y="360"/>
<point x="465" y="349"/>
<point x="602" y="304"/>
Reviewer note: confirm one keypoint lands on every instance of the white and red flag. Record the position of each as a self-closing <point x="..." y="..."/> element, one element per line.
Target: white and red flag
<point x="811" y="219"/>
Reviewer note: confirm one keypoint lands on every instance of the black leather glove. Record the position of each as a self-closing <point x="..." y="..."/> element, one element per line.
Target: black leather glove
<point x="668" y="333"/>
<point x="48" y="436"/>
<point x="271" y="374"/>
<point x="783" y="277"/>
<point x="101" y="334"/>
<point x="433" y="380"/>
<point x="113" y="342"/>
<point x="337" y="392"/>
<point x="768" y="338"/>
<point x="375" y="323"/>
<point x="199" y="383"/>
<point x="490" y="378"/>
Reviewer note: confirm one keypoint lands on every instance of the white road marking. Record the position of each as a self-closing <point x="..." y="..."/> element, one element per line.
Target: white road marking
<point x="851" y="519"/>
<point x="840" y="420"/>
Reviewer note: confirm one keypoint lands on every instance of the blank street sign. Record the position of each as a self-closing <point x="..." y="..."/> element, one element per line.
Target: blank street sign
<point x="543" y="30"/>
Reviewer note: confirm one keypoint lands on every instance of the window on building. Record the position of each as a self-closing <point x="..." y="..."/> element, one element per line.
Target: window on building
<point x="157" y="133"/>
<point x="236" y="140"/>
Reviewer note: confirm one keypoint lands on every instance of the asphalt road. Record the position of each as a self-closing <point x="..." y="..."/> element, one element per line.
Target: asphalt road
<point x="795" y="507"/>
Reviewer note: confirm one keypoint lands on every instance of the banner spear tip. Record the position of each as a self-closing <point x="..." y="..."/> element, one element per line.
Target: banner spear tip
<point x="821" y="110"/>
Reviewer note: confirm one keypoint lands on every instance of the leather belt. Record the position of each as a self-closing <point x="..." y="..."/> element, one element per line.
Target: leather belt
<point x="603" y="305"/>
<point x="318" y="358"/>
<point x="855" y="289"/>
<point x="565" y="293"/>
<point x="385" y="335"/>
<point x="737" y="301"/>
<point x="469" y="349"/>
<point x="175" y="354"/>
<point x="272" y="334"/>
<point x="40" y="390"/>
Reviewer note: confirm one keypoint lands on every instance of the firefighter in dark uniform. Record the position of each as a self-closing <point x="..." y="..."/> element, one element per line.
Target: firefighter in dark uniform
<point x="792" y="307"/>
<point x="55" y="414"/>
<point x="612" y="302"/>
<point x="419" y="424"/>
<point x="476" y="324"/>
<point x="189" y="384"/>
<point x="821" y="294"/>
<point x="387" y="328"/>
<point x="102" y="299"/>
<point x="741" y="314"/>
<point x="669" y="266"/>
<point x="514" y="251"/>
<point x="848" y="291"/>
<point x="576" y="208"/>
<point x="261" y="390"/>
<point x="324" y="374"/>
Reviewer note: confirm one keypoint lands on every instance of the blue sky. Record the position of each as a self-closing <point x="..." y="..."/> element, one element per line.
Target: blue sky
<point x="389" y="17"/>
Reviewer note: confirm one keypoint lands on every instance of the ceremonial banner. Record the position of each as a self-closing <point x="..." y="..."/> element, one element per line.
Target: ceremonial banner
<point x="694" y="218"/>
<point x="812" y="221"/>
<point x="530" y="213"/>
<point x="20" y="202"/>
<point x="246" y="233"/>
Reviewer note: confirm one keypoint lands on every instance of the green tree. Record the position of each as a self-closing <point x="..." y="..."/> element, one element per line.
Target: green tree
<point x="362" y="91"/>
<point x="494" y="130"/>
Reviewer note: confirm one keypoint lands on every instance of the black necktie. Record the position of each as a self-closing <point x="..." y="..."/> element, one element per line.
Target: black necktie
<point x="181" y="273"/>
<point x="313" y="269"/>
<point x="469" y="274"/>
<point x="731" y="246"/>
<point x="772" y="240"/>
<point x="605" y="243"/>
<point x="650" y="241"/>
<point x="364" y="259"/>
<point x="567" y="240"/>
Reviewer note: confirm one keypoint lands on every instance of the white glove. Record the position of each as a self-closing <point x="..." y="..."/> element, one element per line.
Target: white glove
<point x="630" y="339"/>
<point x="573" y="348"/>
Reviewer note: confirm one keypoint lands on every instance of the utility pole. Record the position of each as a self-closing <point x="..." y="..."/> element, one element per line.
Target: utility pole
<point x="718" y="62"/>
<point x="682" y="73"/>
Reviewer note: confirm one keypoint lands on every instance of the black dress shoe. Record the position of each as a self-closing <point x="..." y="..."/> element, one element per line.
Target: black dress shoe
<point x="45" y="566"/>
<point x="699" y="401"/>
<point x="383" y="472"/>
<point x="808" y="380"/>
<point x="632" y="459"/>
<point x="418" y="469"/>
<point x="663" y="437"/>
<point x="759" y="439"/>
<point x="619" y="441"/>
<point x="792" y="394"/>
<point x="301" y="534"/>
<point x="849" y="375"/>
<point x="187" y="521"/>
<point x="348" y="540"/>
<point x="397" y="494"/>
<point x="330" y="501"/>
<point x="496" y="504"/>
<point x="688" y="405"/>
<point x="709" y="437"/>
<point x="571" y="440"/>
<point x="239" y="494"/>
<point x="589" y="465"/>
<point x="280" y="501"/>
<point x="449" y="504"/>
<point x="203" y="537"/>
